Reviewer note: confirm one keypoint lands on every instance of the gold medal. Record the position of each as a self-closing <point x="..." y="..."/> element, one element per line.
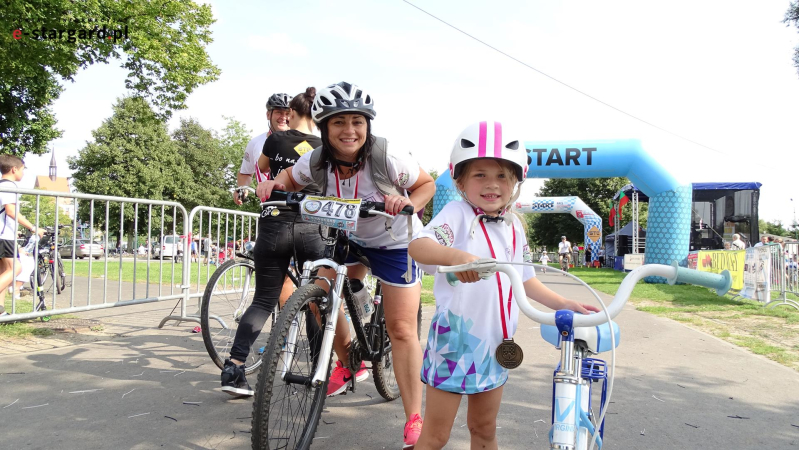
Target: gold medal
<point x="509" y="355"/>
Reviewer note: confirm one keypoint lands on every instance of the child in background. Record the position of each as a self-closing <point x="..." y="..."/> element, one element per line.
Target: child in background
<point x="544" y="260"/>
<point x="472" y="320"/>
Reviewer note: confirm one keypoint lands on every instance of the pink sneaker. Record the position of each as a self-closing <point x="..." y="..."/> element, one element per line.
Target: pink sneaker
<point x="413" y="428"/>
<point x="341" y="376"/>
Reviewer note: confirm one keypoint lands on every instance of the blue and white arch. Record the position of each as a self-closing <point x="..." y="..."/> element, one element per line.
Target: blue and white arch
<point x="669" y="221"/>
<point x="592" y="223"/>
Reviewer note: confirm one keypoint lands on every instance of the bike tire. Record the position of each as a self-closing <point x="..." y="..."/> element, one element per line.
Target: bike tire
<point x="228" y="294"/>
<point x="277" y="401"/>
<point x="383" y="371"/>
<point x="59" y="276"/>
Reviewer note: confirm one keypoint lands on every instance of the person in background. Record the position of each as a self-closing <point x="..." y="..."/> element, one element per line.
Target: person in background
<point x="544" y="260"/>
<point x="13" y="170"/>
<point x="737" y="243"/>
<point x="277" y="119"/>
<point x="727" y="245"/>
<point x="763" y="241"/>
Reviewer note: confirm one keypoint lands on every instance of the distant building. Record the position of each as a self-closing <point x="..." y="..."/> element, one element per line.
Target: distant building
<point x="53" y="182"/>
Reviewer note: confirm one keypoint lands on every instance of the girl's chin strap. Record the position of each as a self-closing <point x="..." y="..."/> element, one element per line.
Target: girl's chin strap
<point x="505" y="217"/>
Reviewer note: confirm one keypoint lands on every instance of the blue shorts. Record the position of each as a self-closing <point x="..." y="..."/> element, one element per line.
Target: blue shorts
<point x="389" y="266"/>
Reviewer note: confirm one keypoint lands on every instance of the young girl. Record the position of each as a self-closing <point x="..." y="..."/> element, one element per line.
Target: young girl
<point x="544" y="260"/>
<point x="472" y="320"/>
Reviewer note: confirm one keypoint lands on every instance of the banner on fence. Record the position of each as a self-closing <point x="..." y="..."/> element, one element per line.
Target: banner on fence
<point x="757" y="278"/>
<point x="720" y="260"/>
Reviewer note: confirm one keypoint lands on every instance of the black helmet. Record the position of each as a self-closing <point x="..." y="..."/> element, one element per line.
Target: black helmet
<point x="278" y="101"/>
<point x="341" y="98"/>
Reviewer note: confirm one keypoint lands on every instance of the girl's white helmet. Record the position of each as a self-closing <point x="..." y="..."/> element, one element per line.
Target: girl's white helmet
<point x="487" y="140"/>
<point x="342" y="98"/>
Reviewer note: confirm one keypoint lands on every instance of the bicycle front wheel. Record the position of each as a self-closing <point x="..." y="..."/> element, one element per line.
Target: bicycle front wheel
<point x="287" y="408"/>
<point x="228" y="294"/>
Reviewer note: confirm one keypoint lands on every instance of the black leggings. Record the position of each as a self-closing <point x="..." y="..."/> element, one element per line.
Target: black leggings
<point x="278" y="240"/>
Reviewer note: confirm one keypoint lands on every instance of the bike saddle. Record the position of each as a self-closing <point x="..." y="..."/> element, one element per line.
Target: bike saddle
<point x="597" y="338"/>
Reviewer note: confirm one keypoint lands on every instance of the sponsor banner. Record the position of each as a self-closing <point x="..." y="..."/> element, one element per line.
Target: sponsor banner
<point x="633" y="261"/>
<point x="757" y="276"/>
<point x="716" y="261"/>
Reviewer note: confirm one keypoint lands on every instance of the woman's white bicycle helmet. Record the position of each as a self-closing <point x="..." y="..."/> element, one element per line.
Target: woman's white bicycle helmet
<point x="342" y="98"/>
<point x="487" y="140"/>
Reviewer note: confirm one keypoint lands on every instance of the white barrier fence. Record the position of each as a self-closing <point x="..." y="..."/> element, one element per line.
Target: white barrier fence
<point x="108" y="277"/>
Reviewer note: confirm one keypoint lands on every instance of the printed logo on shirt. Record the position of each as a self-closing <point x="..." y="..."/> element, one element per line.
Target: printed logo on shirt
<point x="303" y="148"/>
<point x="246" y="156"/>
<point x="305" y="178"/>
<point x="444" y="235"/>
<point x="526" y="255"/>
<point x="403" y="178"/>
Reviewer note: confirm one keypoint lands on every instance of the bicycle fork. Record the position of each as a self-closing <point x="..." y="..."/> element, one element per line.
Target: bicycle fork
<point x="572" y="428"/>
<point x="333" y="307"/>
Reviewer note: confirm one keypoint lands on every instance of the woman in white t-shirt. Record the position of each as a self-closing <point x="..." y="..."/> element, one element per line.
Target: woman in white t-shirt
<point x="343" y="112"/>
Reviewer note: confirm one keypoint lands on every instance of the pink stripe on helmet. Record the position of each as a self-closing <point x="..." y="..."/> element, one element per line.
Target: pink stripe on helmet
<point x="481" y="149"/>
<point x="497" y="140"/>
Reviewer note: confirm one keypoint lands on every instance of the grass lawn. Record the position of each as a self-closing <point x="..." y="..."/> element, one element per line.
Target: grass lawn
<point x="23" y="329"/>
<point x="427" y="290"/>
<point x="98" y="270"/>
<point x="773" y="333"/>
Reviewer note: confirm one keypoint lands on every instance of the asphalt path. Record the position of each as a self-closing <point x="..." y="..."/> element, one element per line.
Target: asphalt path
<point x="141" y="387"/>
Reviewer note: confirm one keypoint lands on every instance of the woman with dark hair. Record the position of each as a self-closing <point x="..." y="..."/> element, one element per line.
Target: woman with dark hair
<point x="281" y="236"/>
<point x="353" y="163"/>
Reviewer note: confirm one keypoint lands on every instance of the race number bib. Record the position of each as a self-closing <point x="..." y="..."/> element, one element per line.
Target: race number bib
<point x="331" y="211"/>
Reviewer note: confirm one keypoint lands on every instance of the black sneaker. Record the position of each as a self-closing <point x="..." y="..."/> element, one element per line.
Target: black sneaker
<point x="234" y="382"/>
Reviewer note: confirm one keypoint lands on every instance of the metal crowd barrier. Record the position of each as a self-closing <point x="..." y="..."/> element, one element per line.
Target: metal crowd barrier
<point x="784" y="274"/>
<point x="135" y="219"/>
<point x="213" y="248"/>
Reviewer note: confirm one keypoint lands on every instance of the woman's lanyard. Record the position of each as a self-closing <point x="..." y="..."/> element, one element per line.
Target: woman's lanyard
<point x="338" y="187"/>
<point x="499" y="281"/>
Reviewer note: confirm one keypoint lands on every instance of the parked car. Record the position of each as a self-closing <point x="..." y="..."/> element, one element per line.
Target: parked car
<point x="170" y="246"/>
<point x="83" y="248"/>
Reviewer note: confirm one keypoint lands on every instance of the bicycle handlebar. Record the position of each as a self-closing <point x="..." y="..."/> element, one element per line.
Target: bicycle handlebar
<point x="368" y="208"/>
<point x="673" y="274"/>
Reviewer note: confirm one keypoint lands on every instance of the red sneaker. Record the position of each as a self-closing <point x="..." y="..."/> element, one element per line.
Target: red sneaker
<point x="341" y="376"/>
<point x="413" y="428"/>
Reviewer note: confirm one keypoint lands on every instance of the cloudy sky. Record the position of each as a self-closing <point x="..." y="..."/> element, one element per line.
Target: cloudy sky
<point x="717" y="75"/>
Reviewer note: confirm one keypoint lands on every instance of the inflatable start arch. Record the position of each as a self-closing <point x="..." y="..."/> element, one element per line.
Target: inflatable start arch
<point x="669" y="222"/>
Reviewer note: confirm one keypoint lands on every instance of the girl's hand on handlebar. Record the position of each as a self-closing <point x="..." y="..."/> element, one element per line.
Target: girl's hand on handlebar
<point x="469" y="276"/>
<point x="582" y="308"/>
<point x="395" y="203"/>
<point x="265" y="189"/>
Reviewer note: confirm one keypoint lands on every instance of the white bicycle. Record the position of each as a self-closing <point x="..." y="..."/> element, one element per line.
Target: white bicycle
<point x="574" y="425"/>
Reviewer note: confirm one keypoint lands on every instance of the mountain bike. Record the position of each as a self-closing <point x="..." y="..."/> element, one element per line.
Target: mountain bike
<point x="228" y="294"/>
<point x="574" y="423"/>
<point x="292" y="385"/>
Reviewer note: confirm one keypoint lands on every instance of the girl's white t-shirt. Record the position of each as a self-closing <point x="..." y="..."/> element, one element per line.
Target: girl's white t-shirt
<point x="371" y="232"/>
<point x="467" y="327"/>
<point x="544" y="259"/>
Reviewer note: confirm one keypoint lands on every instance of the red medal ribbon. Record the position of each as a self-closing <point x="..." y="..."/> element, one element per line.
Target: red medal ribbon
<point x="499" y="281"/>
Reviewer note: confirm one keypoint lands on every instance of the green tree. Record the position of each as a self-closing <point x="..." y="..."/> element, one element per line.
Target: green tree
<point x="164" y="44"/>
<point x="47" y="211"/>
<point x="597" y="193"/>
<point x="428" y="210"/>
<point x="792" y="16"/>
<point x="131" y="156"/>
<point x="774" y="227"/>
